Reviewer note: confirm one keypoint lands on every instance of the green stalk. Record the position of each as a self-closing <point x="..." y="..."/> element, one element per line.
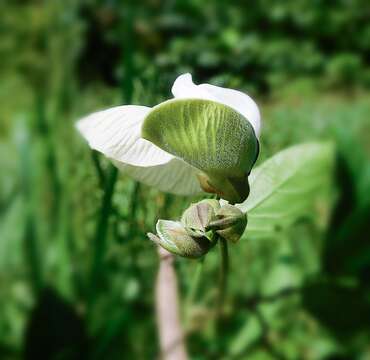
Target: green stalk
<point x="99" y="243"/>
<point x="224" y="271"/>
<point x="194" y="287"/>
<point x="31" y="242"/>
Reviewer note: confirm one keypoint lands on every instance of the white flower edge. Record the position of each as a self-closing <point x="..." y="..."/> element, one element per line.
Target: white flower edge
<point x="116" y="132"/>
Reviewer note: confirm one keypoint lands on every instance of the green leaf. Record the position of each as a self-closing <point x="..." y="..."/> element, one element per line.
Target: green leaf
<point x="290" y="185"/>
<point x="210" y="136"/>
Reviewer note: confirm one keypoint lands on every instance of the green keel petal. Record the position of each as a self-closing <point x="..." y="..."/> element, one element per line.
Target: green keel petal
<point x="210" y="136"/>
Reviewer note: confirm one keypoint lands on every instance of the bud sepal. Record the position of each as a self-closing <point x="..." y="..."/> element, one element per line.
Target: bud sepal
<point x="173" y="237"/>
<point x="230" y="224"/>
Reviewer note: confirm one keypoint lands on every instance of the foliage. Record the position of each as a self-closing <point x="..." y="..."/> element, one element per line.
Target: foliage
<point x="288" y="187"/>
<point x="257" y="45"/>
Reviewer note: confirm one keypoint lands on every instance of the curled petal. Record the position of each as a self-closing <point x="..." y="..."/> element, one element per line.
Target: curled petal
<point x="116" y="132"/>
<point x="184" y="87"/>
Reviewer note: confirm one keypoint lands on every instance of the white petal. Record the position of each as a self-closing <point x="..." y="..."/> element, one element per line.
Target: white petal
<point x="176" y="177"/>
<point x="184" y="87"/>
<point x="116" y="132"/>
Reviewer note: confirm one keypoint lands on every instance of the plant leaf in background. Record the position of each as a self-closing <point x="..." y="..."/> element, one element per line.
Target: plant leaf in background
<point x="210" y="136"/>
<point x="288" y="186"/>
<point x="348" y="231"/>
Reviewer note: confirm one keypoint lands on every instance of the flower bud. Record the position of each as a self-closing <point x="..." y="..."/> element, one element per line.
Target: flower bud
<point x="198" y="216"/>
<point x="174" y="238"/>
<point x="230" y="224"/>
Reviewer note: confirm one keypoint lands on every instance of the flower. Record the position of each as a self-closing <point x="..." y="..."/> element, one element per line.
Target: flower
<point x="199" y="229"/>
<point x="136" y="140"/>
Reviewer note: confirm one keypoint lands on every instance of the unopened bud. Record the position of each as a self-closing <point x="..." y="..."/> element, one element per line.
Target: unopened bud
<point x="172" y="236"/>
<point x="198" y="216"/>
<point x="230" y="224"/>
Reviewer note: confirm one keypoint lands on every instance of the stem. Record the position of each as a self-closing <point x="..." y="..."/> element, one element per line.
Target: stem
<point x="194" y="287"/>
<point x="31" y="242"/>
<point x="171" y="335"/>
<point x="224" y="270"/>
<point x="98" y="168"/>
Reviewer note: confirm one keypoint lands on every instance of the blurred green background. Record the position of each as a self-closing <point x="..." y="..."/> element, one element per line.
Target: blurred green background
<point x="76" y="269"/>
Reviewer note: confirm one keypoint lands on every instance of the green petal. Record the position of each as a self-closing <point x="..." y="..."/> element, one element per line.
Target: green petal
<point x="208" y="135"/>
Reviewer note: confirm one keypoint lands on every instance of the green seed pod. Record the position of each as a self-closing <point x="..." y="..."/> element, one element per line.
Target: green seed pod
<point x="174" y="238"/>
<point x="198" y="216"/>
<point x="230" y="224"/>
